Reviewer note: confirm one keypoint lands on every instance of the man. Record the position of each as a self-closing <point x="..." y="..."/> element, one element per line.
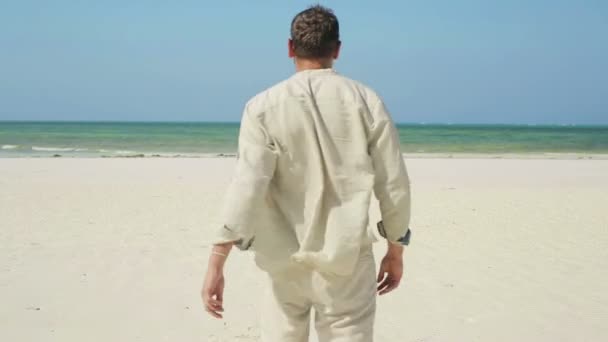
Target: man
<point x="311" y="151"/>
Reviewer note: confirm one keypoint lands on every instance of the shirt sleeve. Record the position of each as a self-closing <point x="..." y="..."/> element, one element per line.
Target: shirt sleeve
<point x="256" y="162"/>
<point x="391" y="181"/>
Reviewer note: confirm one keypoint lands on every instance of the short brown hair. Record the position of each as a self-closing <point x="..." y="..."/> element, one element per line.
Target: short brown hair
<point x="315" y="32"/>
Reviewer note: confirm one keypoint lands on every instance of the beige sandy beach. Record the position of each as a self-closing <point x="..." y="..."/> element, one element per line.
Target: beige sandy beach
<point x="115" y="250"/>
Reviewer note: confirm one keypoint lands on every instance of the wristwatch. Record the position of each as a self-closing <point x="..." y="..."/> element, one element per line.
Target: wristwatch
<point x="404" y="240"/>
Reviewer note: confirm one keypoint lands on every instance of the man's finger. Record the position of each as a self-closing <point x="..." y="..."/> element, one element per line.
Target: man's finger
<point x="381" y="274"/>
<point x="216" y="304"/>
<point x="211" y="303"/>
<point x="212" y="312"/>
<point x="387" y="290"/>
<point x="393" y="285"/>
<point x="386" y="282"/>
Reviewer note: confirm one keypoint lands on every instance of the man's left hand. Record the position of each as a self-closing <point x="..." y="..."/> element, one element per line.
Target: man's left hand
<point x="213" y="292"/>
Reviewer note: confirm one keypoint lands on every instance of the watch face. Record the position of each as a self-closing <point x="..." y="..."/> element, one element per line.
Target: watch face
<point x="405" y="239"/>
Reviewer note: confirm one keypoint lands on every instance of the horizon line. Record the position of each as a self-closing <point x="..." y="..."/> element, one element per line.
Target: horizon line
<point x="238" y="122"/>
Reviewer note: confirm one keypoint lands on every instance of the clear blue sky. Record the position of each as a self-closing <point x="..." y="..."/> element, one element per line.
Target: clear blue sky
<point x="509" y="61"/>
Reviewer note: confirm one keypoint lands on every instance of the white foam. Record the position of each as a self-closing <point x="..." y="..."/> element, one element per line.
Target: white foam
<point x="52" y="149"/>
<point x="115" y="152"/>
<point x="103" y="150"/>
<point x="9" y="147"/>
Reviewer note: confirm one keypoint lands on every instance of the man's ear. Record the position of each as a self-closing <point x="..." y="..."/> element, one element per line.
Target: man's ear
<point x="290" y="49"/>
<point x="337" y="51"/>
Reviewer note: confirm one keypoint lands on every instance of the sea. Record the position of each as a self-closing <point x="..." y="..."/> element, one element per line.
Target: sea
<point x="205" y="139"/>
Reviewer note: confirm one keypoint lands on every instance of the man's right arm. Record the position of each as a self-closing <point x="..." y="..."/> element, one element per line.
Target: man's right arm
<point x="392" y="188"/>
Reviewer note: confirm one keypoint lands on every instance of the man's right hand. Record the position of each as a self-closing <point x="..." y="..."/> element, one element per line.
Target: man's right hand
<point x="391" y="269"/>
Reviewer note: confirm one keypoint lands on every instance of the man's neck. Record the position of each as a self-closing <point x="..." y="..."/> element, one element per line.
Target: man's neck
<point x="313" y="64"/>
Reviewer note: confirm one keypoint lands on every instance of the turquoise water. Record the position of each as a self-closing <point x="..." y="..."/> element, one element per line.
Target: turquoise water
<point x="97" y="139"/>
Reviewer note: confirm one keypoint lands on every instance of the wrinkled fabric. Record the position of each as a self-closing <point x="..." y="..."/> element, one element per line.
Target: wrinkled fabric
<point x="343" y="307"/>
<point x="312" y="149"/>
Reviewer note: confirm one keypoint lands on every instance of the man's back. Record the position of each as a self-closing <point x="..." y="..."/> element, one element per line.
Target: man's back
<point x="311" y="150"/>
<point x="321" y="129"/>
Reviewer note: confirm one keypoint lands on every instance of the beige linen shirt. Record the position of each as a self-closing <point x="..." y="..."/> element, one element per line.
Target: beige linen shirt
<point x="311" y="151"/>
